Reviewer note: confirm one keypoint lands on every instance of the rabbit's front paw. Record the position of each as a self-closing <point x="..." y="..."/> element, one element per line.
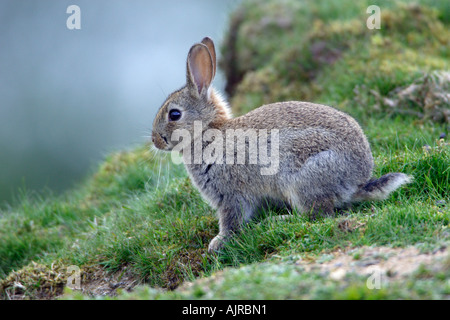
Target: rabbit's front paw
<point x="216" y="244"/>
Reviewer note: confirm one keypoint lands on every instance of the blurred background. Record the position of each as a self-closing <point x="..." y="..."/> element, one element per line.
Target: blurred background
<point x="69" y="97"/>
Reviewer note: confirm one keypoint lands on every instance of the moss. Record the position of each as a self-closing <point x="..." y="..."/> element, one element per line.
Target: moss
<point x="296" y="278"/>
<point x="126" y="171"/>
<point x="323" y="59"/>
<point x="39" y="281"/>
<point x="243" y="50"/>
<point x="425" y="98"/>
<point x="185" y="264"/>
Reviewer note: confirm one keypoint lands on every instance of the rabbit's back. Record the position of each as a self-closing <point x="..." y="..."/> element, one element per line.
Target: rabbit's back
<point x="297" y="115"/>
<point x="306" y="129"/>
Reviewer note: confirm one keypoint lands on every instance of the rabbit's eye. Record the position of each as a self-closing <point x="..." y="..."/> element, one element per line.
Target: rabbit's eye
<point x="174" y="115"/>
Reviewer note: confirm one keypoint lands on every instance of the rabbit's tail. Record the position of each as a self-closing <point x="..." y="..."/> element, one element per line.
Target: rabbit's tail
<point x="379" y="189"/>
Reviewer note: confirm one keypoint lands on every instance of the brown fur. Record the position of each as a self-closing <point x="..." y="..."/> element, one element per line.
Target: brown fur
<point x="325" y="160"/>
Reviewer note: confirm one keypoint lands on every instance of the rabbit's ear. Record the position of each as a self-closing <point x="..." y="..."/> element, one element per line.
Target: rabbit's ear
<point x="200" y="69"/>
<point x="212" y="51"/>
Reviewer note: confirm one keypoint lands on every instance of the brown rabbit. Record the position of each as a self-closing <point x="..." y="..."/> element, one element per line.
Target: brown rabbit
<point x="320" y="157"/>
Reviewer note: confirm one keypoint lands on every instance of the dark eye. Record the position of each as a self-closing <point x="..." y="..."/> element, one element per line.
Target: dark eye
<point x="174" y="115"/>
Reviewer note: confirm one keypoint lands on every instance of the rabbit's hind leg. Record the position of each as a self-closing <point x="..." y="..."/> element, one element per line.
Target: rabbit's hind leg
<point x="312" y="205"/>
<point x="324" y="181"/>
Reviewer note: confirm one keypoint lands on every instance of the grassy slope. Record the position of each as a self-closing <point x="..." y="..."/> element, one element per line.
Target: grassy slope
<point x="139" y="216"/>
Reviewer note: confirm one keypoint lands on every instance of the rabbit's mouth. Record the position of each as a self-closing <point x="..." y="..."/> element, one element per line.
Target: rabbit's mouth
<point x="160" y="142"/>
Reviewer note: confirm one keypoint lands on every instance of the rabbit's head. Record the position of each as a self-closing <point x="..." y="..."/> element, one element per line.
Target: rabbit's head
<point x="196" y="101"/>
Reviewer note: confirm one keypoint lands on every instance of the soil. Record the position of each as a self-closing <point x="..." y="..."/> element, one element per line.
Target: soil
<point x="392" y="263"/>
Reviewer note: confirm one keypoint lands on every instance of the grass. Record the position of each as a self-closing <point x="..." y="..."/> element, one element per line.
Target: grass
<point x="161" y="235"/>
<point x="269" y="280"/>
<point x="139" y="220"/>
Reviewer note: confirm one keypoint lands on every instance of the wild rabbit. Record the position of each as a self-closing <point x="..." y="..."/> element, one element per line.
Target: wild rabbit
<point x="320" y="157"/>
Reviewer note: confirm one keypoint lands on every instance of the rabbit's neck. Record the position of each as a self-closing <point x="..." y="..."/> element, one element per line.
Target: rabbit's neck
<point x="223" y="111"/>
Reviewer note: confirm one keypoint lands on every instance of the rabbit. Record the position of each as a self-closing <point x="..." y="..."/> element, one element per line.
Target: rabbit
<point x="325" y="161"/>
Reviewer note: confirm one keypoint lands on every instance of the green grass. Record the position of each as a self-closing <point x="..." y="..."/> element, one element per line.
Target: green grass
<point x="286" y="280"/>
<point x="161" y="235"/>
<point x="38" y="226"/>
<point x="138" y="216"/>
